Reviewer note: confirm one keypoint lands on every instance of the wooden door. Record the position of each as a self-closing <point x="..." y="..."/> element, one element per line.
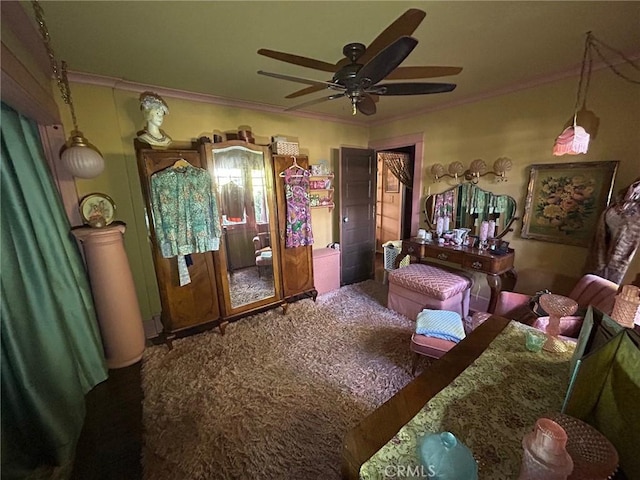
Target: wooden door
<point x="357" y="214"/>
<point x="197" y="302"/>
<point x="297" y="263"/>
<point x="389" y="206"/>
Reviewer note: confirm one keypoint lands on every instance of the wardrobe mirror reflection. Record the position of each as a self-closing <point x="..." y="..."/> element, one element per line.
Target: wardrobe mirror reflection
<point x="467" y="205"/>
<point x="240" y="178"/>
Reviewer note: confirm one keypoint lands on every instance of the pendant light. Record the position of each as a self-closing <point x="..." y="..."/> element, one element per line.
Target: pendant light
<point x="575" y="139"/>
<point x="78" y="156"/>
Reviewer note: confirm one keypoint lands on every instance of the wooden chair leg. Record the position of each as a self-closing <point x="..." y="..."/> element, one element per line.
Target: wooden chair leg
<point x="414" y="364"/>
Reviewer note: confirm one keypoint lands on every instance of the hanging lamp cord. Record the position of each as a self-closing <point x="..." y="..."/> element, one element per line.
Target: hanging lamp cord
<point x="585" y="71"/>
<point x="60" y="74"/>
<point x="597" y="44"/>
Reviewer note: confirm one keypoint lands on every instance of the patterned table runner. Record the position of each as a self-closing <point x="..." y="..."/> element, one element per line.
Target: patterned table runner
<point x="490" y="406"/>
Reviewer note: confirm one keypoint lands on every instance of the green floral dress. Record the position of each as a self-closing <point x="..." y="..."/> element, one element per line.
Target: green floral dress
<point x="185" y="212"/>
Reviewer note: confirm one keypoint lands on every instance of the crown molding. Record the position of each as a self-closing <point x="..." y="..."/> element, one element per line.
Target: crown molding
<point x="126" y="85"/>
<point x="515" y="87"/>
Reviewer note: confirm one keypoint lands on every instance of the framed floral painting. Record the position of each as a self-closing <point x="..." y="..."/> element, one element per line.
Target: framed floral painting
<point x="565" y="200"/>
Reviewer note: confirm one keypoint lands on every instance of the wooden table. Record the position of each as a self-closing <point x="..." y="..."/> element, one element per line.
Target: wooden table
<point x="362" y="441"/>
<point x="498" y="268"/>
<point x="489" y="391"/>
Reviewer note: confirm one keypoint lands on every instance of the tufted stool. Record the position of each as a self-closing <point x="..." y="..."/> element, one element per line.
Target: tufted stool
<point x="419" y="286"/>
<point x="437" y="332"/>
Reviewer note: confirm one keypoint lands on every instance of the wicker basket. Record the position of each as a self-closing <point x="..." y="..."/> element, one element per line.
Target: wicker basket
<point x="391" y="250"/>
<point x="285" y="148"/>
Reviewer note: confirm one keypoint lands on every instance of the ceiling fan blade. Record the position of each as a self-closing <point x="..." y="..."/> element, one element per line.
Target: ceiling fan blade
<point x="412" y="88"/>
<point x="404" y="25"/>
<point x="314" y="102"/>
<point x="366" y="105"/>
<point x="306" y="91"/>
<point x="298" y="60"/>
<point x="385" y="62"/>
<point x="406" y="73"/>
<point x="308" y="81"/>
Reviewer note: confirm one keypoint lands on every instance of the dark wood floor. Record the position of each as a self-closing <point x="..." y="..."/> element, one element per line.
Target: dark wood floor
<point x="111" y="440"/>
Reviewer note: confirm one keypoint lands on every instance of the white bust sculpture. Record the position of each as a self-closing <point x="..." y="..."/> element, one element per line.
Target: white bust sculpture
<point x="154" y="109"/>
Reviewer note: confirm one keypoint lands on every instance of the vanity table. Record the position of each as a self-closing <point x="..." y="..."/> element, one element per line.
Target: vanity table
<point x="498" y="268"/>
<point x="468" y="206"/>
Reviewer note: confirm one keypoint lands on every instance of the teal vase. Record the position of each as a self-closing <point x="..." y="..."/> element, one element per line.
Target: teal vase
<point x="444" y="457"/>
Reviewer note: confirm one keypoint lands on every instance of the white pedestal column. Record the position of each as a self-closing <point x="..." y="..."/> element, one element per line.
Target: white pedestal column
<point x="114" y="294"/>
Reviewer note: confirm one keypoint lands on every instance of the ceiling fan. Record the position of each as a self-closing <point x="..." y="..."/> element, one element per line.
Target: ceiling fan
<point x="356" y="76"/>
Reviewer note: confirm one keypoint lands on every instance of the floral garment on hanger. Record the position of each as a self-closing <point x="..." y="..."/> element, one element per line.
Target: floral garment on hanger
<point x="296" y="190"/>
<point x="185" y="212"/>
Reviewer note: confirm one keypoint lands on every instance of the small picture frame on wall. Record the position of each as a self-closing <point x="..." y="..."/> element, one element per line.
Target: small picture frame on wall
<point x="565" y="200"/>
<point x="391" y="182"/>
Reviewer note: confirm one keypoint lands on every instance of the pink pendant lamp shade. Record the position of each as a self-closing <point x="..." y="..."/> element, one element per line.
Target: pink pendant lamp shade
<point x="572" y="141"/>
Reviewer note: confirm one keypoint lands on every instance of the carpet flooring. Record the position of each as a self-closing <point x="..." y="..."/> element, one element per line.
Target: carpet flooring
<point x="273" y="397"/>
<point x="247" y="286"/>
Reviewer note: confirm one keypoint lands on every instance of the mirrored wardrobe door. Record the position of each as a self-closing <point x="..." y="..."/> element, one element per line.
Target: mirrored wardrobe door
<point x="242" y="180"/>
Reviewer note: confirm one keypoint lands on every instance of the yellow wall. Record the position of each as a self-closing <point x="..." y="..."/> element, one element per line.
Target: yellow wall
<point x="110" y="119"/>
<point x="522" y="126"/>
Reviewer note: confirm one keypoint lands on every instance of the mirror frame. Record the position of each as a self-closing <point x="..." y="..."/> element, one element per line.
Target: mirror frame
<point x="221" y="257"/>
<point x="429" y="203"/>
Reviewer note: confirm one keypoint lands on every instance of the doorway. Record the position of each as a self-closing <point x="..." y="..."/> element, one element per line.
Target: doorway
<point x="394" y="207"/>
<point x="410" y="215"/>
<point x="412" y="197"/>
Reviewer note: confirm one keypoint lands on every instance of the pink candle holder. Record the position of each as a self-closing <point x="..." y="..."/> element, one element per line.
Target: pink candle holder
<point x="557" y="306"/>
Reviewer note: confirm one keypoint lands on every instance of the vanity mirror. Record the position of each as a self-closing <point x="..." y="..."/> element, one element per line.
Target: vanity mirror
<point x="466" y="206"/>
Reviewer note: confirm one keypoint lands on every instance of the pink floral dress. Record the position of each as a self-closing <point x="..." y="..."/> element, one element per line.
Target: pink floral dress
<point x="296" y="190"/>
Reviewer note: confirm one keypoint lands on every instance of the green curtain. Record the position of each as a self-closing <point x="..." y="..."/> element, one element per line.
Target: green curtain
<point x="51" y="349"/>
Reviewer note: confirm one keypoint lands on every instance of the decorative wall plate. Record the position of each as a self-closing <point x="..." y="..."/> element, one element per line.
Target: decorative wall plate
<point x="97" y="210"/>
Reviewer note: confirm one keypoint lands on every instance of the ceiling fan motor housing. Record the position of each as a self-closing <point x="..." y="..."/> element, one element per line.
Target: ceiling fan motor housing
<point x="353" y="51"/>
<point x="346" y="76"/>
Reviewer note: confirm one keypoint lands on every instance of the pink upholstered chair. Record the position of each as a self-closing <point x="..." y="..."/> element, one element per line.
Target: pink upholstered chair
<point x="590" y="290"/>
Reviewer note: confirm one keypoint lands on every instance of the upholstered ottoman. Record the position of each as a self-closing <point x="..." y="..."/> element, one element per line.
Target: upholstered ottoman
<point x="418" y="286"/>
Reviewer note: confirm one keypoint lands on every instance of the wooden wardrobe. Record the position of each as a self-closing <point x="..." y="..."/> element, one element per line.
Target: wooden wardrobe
<point x="221" y="290"/>
<point x="298" y="262"/>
